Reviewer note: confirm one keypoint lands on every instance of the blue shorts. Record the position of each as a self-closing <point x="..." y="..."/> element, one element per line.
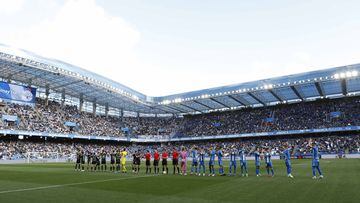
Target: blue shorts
<point x="269" y="165"/>
<point x="243" y="163"/>
<point x="257" y="163"/>
<point x="211" y="163"/>
<point x="194" y="163"/>
<point x="202" y="163"/>
<point x="288" y="163"/>
<point x="315" y="163"/>
<point x="220" y="162"/>
<point x="232" y="163"/>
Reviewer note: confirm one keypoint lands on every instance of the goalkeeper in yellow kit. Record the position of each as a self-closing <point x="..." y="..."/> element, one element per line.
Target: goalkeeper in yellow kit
<point x="123" y="160"/>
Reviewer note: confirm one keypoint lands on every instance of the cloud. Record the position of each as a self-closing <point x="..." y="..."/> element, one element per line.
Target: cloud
<point x="10" y="6"/>
<point x="82" y="33"/>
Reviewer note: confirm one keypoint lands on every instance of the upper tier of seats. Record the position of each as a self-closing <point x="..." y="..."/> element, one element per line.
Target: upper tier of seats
<point x="306" y="115"/>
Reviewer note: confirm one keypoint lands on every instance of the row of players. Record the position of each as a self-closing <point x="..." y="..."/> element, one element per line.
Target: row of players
<point x="197" y="155"/>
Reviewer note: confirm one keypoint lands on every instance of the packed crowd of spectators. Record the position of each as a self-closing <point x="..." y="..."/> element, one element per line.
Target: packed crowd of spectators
<point x="152" y="126"/>
<point x="306" y="115"/>
<point x="300" y="116"/>
<point x="19" y="149"/>
<point x="52" y="119"/>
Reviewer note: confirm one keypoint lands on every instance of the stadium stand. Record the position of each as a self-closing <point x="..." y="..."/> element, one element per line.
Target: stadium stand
<point x="310" y="115"/>
<point x="11" y="149"/>
<point x="300" y="116"/>
<point x="54" y="117"/>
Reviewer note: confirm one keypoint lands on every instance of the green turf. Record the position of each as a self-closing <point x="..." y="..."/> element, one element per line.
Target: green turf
<point x="341" y="184"/>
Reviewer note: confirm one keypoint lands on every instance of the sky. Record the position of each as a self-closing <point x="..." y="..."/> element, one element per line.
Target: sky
<point x="162" y="47"/>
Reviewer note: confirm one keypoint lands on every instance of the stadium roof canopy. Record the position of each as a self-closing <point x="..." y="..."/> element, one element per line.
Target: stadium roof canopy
<point x="30" y="69"/>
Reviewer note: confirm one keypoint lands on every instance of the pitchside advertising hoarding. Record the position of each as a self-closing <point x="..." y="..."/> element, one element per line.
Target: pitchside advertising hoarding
<point x="17" y="93"/>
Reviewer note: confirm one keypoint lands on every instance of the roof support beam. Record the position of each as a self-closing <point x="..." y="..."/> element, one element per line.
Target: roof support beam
<point x="173" y="108"/>
<point x="344" y="88"/>
<point x="216" y="101"/>
<point x="202" y="104"/>
<point x="67" y="84"/>
<point x="40" y="74"/>
<point x="276" y="95"/>
<point x="87" y="91"/>
<point x="235" y="99"/>
<point x="105" y="99"/>
<point x="18" y="72"/>
<point x="90" y="92"/>
<point x="319" y="89"/>
<point x="189" y="107"/>
<point x="166" y="111"/>
<point x="245" y="101"/>
<point x="298" y="94"/>
<point x="256" y="98"/>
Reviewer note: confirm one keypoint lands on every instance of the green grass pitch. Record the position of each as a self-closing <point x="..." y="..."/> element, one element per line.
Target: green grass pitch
<point x="60" y="183"/>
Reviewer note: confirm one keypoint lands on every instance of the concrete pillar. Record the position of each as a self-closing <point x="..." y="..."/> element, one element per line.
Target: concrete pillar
<point x="63" y="97"/>
<point x="94" y="108"/>
<point x="81" y="102"/>
<point x="121" y="114"/>
<point x="106" y="110"/>
<point x="47" y="93"/>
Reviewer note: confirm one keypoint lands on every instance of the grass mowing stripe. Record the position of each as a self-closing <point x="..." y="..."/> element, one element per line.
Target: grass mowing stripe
<point x="72" y="184"/>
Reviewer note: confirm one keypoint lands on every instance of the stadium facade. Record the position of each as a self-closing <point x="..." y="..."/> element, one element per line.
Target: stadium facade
<point x="69" y="84"/>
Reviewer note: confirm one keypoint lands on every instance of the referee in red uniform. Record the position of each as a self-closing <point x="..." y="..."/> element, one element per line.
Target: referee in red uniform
<point x="156" y="162"/>
<point x="175" y="156"/>
<point x="164" y="157"/>
<point x="147" y="161"/>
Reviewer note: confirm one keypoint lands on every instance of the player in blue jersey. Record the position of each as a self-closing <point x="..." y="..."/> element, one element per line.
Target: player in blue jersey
<point x="287" y="159"/>
<point x="243" y="163"/>
<point x="232" y="168"/>
<point x="315" y="160"/>
<point x="257" y="162"/>
<point x="202" y="161"/>
<point x="220" y="162"/>
<point x="268" y="162"/>
<point x="212" y="162"/>
<point x="194" y="164"/>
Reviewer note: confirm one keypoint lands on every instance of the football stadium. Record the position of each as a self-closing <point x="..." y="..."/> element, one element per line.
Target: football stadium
<point x="68" y="134"/>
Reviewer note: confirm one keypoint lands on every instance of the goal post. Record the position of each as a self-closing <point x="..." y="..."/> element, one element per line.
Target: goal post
<point x="42" y="157"/>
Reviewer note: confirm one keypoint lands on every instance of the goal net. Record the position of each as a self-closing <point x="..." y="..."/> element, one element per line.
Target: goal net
<point x="45" y="157"/>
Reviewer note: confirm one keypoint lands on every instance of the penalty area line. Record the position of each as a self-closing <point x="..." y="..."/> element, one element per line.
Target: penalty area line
<point x="71" y="184"/>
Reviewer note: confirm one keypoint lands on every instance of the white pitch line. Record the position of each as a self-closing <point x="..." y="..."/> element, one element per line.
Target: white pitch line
<point x="72" y="184"/>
